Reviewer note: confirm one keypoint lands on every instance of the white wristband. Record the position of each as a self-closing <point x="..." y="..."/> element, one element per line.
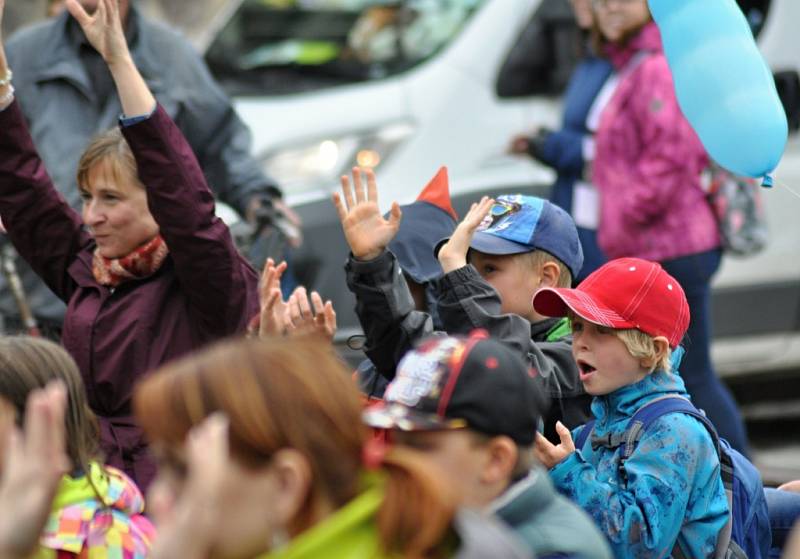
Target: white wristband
<point x="6" y="80"/>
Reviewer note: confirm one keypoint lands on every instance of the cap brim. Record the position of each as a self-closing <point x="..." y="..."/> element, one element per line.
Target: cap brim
<point x="489" y="244"/>
<point x="550" y="301"/>
<point x="385" y="415"/>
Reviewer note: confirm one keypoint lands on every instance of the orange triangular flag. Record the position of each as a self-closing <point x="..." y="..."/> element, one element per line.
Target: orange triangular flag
<point x="437" y="192"/>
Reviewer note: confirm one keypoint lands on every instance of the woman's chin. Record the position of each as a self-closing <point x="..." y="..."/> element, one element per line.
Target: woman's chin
<point x="108" y="252"/>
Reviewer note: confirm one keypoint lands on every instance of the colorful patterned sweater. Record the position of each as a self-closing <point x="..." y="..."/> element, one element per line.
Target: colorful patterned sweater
<point x="82" y="526"/>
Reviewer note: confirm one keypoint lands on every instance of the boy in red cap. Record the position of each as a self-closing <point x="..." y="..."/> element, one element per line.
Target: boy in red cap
<point x="660" y="494"/>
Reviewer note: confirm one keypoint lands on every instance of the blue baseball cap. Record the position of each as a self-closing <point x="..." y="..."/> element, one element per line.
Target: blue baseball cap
<point x="422" y="224"/>
<point x="518" y="224"/>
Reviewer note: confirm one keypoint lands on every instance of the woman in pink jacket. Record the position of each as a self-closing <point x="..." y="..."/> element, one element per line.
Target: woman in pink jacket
<point x="647" y="169"/>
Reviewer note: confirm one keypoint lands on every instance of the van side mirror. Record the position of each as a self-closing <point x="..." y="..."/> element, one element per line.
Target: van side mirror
<point x="788" y="85"/>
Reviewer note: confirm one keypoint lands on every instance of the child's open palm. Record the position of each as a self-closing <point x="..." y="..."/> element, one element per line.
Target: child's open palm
<point x="453" y="254"/>
<point x="549" y="454"/>
<point x="273" y="307"/>
<point x="366" y="230"/>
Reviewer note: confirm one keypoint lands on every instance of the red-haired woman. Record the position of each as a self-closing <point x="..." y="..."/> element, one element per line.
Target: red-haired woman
<point x="301" y="480"/>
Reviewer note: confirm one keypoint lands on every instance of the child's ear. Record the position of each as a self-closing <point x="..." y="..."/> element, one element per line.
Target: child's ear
<point x="502" y="454"/>
<point x="661" y="346"/>
<point x="550" y="274"/>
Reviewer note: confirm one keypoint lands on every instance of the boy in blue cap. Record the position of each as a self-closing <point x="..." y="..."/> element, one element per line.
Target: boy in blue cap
<point x="495" y="295"/>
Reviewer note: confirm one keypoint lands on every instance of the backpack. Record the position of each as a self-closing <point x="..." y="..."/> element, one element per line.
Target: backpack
<point x="747" y="534"/>
<point x="736" y="202"/>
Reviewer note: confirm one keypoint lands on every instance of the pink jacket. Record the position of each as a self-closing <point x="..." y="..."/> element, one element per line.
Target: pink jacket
<point x="648" y="162"/>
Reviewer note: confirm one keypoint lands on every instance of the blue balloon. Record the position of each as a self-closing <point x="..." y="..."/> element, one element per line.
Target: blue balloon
<point x="723" y="85"/>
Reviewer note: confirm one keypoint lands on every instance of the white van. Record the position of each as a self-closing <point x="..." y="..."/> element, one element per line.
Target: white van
<point x="408" y="85"/>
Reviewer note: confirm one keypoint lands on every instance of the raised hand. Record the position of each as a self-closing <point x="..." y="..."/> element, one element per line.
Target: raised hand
<point x="273" y="308"/>
<point x="191" y="527"/>
<point x="453" y="254"/>
<point x="34" y="461"/>
<point x="302" y="320"/>
<point x="3" y="62"/>
<point x="2" y="10"/>
<point x="103" y="29"/>
<point x="549" y="454"/>
<point x="366" y="230"/>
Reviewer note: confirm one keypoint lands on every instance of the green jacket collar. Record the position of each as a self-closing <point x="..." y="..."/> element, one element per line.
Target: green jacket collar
<point x="350" y="533"/>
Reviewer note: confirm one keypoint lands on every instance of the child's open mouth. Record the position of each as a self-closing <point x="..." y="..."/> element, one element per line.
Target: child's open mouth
<point x="586" y="370"/>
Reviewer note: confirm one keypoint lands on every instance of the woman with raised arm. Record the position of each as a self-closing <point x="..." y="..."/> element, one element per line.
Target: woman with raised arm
<point x="147" y="271"/>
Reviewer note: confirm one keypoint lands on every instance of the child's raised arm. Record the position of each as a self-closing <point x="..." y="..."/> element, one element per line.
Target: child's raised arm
<point x="367" y="232"/>
<point x="103" y="30"/>
<point x="453" y="254"/>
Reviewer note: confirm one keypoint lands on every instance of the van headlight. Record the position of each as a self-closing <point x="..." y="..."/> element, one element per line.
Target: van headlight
<point x="319" y="163"/>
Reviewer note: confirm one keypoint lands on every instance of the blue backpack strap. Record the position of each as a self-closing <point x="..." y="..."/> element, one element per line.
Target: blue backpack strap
<point x="673" y="403"/>
<point x="654" y="409"/>
<point x="588" y="427"/>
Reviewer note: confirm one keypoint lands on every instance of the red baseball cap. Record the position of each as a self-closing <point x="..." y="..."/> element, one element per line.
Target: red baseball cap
<point x="624" y="293"/>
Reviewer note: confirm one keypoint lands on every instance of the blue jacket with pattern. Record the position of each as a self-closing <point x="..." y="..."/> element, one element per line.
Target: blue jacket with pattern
<point x="673" y="490"/>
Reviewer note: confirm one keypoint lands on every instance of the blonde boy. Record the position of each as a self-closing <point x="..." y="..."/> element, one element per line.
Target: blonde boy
<point x="668" y="496"/>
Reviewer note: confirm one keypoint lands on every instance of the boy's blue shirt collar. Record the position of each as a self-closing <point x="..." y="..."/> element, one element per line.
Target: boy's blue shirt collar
<point x="613" y="410"/>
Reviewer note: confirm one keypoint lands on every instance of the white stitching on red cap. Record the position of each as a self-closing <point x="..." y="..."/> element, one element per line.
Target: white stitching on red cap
<point x="602" y="316"/>
<point x="642" y="292"/>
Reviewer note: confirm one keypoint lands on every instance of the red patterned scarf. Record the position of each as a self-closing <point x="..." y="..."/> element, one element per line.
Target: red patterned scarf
<point x="142" y="262"/>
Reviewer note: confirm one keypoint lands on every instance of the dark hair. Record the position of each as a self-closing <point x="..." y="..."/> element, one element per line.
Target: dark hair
<point x="599" y="42"/>
<point x="295" y="393"/>
<point x="30" y="363"/>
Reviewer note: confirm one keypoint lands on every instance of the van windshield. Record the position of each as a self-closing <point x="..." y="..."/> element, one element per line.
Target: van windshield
<point x="286" y="46"/>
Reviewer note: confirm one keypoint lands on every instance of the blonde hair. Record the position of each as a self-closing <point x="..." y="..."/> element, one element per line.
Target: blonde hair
<point x="538" y="258"/>
<point x="642" y="346"/>
<point x="639" y="344"/>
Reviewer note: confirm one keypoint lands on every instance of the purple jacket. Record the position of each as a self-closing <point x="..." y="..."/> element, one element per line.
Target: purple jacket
<point x="648" y="162"/>
<point x="203" y="291"/>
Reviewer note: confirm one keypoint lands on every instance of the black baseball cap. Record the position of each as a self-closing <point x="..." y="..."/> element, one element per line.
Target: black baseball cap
<point x="452" y="382"/>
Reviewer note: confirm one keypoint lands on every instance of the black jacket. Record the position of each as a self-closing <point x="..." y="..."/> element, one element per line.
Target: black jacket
<point x="465" y="302"/>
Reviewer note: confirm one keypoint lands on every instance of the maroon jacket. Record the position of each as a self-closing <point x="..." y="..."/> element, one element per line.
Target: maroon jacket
<point x="203" y="291"/>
